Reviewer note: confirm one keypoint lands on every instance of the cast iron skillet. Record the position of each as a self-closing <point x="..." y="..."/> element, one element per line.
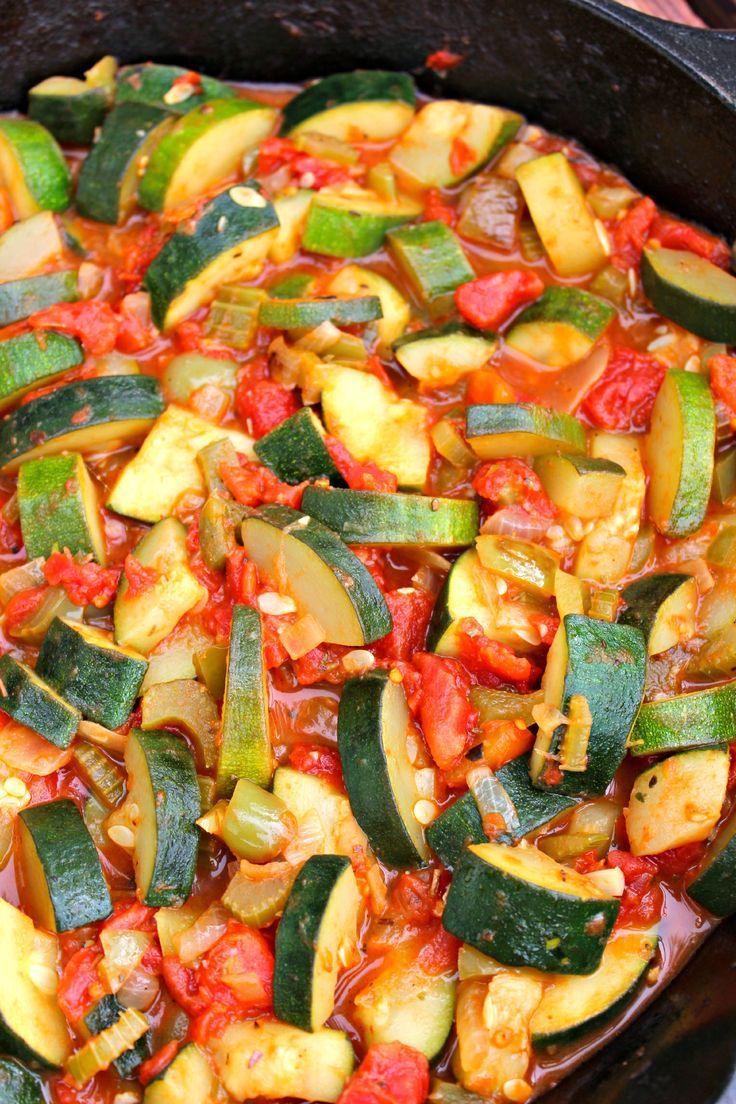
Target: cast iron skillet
<point x="657" y="99"/>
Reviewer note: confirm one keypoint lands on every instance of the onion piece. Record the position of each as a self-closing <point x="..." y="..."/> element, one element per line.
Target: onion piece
<point x="512" y="521"/>
<point x="123" y="951"/>
<point x="491" y="798"/>
<point x="196" y="940"/>
<point x="139" y="990"/>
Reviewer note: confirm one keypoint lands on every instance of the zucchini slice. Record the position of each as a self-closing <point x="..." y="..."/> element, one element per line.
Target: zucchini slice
<point x="566" y="918"/>
<point x="714" y="884"/>
<point x="561" y="327"/>
<point x="560" y="214"/>
<point x="396" y="312"/>
<point x="32" y="1026"/>
<point x="604" y="554"/>
<point x="58" y="506"/>
<point x="162" y="782"/>
<point x="433" y="261"/>
<point x="425" y="155"/>
<point x="32" y="702"/>
<point x="440" y="357"/>
<point x="372" y="517"/>
<point x="107" y="187"/>
<point x="367" y="105"/>
<point x="404" y="1004"/>
<point x="32" y="168"/>
<point x="663" y="607"/>
<point x="372" y="725"/>
<point x="245" y="743"/>
<point x="21" y="298"/>
<point x="677" y="801"/>
<point x="293" y="314"/>
<point x="496" y="430"/>
<point x="574" y="1006"/>
<point x="262" y="1058"/>
<point x="62" y="884"/>
<point x="72" y="109"/>
<point x="581" y="485"/>
<point x="305" y="794"/>
<point x="18" y="1085"/>
<point x="187" y="1079"/>
<point x="353" y="222"/>
<point x="317" y="934"/>
<point x="605" y="664"/>
<point x="32" y="359"/>
<point x="324" y="577"/>
<point x="107" y="1012"/>
<point x="91" y="672"/>
<point x="680" y="450"/>
<point x="168" y="86"/>
<point x="226" y="243"/>
<point x="170" y="449"/>
<point x="295" y="450"/>
<point x="86" y="416"/>
<point x="702" y="718"/>
<point x="689" y="290"/>
<point x="203" y="147"/>
<point x="29" y="246"/>
<point x="142" y="620"/>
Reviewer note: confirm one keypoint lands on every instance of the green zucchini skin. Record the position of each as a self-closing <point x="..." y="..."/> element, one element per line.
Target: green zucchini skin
<point x="104" y="405"/>
<point x="462" y="823"/>
<point x="291" y="314"/>
<point x="18" y="1085"/>
<point x="554" y="428"/>
<point x="71" y="118"/>
<point x="360" y="86"/>
<point x="101" y="682"/>
<point x="433" y="259"/>
<point x="33" y="358"/>
<point x="338" y="231"/>
<point x="523" y="924"/>
<point x="245" y="744"/>
<point x="31" y="702"/>
<point x="298" y="935"/>
<point x="149" y="83"/>
<point x="677" y="283"/>
<point x="105" y="1013"/>
<point x="71" y="865"/>
<point x="371" y="517"/>
<point x="295" y="450"/>
<point x="58" y="507"/>
<point x="21" y="298"/>
<point x="644" y="597"/>
<point x="577" y="308"/>
<point x="714" y="884"/>
<point x="702" y="718"/>
<point x="46" y="175"/>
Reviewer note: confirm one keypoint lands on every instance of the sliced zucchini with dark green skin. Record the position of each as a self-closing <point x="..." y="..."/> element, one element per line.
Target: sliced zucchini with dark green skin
<point x="663" y="607"/>
<point x="187" y="1079"/>
<point x="440" y="357"/>
<point x="32" y="359"/>
<point x="295" y="450"/>
<point x="219" y="528"/>
<point x="245" y="743"/>
<point x="405" y="1004"/>
<point x="496" y="430"/>
<point x="32" y="1026"/>
<point x="57" y="501"/>
<point x="605" y="664"/>
<point x="292" y="286"/>
<point x="162" y="782"/>
<point x="21" y="298"/>
<point x="574" y="1006"/>
<point x="18" y="1085"/>
<point x="91" y="672"/>
<point x="203" y="147"/>
<point x="318" y="929"/>
<point x="691" y="291"/>
<point x="32" y="702"/>
<point x="388" y="519"/>
<point x="325" y="578"/>
<point x="561" y="327"/>
<point x="524" y="909"/>
<point x="702" y="718"/>
<point x="373" y="102"/>
<point x="352" y="223"/>
<point x="680" y="451"/>
<point x="293" y="314"/>
<point x="584" y="486"/>
<point x="355" y="280"/>
<point x="227" y="243"/>
<point x="714" y="884"/>
<point x="108" y="181"/>
<point x="88" y="415"/>
<point x="434" y="262"/>
<point x="379" y="777"/>
<point x="62" y="884"/>
<point x="105" y="1013"/>
<point x="168" y="86"/>
<point x="462" y="823"/>
<point x="32" y="168"/>
<point x="72" y="109"/>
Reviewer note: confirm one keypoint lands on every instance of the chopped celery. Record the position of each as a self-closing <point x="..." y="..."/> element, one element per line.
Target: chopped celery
<point x="211" y="665"/>
<point x="94" y="814"/>
<point x="574" y="750"/>
<point x="105" y="778"/>
<point x="722" y="550"/>
<point x="207" y="792"/>
<point x="257" y="825"/>
<point x="724" y="476"/>
<point x="490" y="212"/>
<point x="256" y="895"/>
<point x="504" y="705"/>
<point x="530" y="241"/>
<point x="606" y="200"/>
<point x="569" y="846"/>
<point x="184" y="704"/>
<point x="643" y="549"/>
<point x="528" y="565"/>
<point x="604" y="604"/>
<point x="233" y="317"/>
<point x="186" y="373"/>
<point x="612" y="284"/>
<point x="324" y="145"/>
<point x="103" y="1049"/>
<point x="210" y="459"/>
<point x="219" y="522"/>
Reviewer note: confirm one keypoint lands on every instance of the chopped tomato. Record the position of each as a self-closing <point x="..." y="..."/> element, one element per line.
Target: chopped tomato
<point x="237" y="972"/>
<point x="252" y="484"/>
<point x="182" y="984"/>
<point x="447" y="718"/>
<point x="138" y="254"/>
<point x="415" y="898"/>
<point x="673" y="234"/>
<point x="631" y="232"/>
<point x="624" y="396"/>
<point x="462" y="157"/>
<point x="158" y="1062"/>
<point x="390" y="1073"/>
<point x="130" y="915"/>
<point x="93" y="321"/>
<point x="322" y="664"/>
<point x="587" y="862"/>
<point x="277" y="153"/>
<point x="678" y="860"/>
<point x="323" y="762"/>
<point x="439" y="954"/>
<point x="642" y="901"/>
<point x="273" y="153"/>
<point x="80" y="985"/>
<point x="513" y="483"/>
<point x="86" y="584"/>
<point x="490" y="300"/>
<point x="264" y="404"/>
<point x="442" y="60"/>
<point x="481" y="654"/>
<point x="140" y="578"/>
<point x="486" y="386"/>
<point x="358" y="476"/>
<point x="504" y="741"/>
<point x="22" y="607"/>
<point x="723" y="380"/>
<point x="436" y="210"/>
<point x="411" y="609"/>
<point x="136" y="329"/>
<point x="23" y="749"/>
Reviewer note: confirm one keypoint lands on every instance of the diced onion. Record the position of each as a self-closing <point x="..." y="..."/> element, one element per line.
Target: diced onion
<point x="512" y="521"/>
<point x="139" y="990"/>
<point x="302" y="636"/>
<point x="196" y="940"/>
<point x="491" y="798"/>
<point x="123" y="951"/>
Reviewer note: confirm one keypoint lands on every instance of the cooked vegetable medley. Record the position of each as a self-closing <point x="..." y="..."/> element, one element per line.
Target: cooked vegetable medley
<point x="368" y="594"/>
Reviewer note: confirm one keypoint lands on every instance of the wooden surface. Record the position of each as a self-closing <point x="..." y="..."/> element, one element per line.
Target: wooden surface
<point x="700" y="13"/>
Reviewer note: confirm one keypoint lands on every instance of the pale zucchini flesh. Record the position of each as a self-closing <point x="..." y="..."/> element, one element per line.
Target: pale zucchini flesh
<point x="677" y="801"/>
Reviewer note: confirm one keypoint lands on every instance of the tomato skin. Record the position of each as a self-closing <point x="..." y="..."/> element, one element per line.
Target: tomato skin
<point x="93" y="321"/>
<point x="22" y="606"/>
<point x="436" y="210"/>
<point x="481" y="654"/>
<point x="130" y="915"/>
<point x="86" y="584"/>
<point x="410" y="614"/>
<point x="513" y="483"/>
<point x="442" y="60"/>
<point x="489" y="301"/>
<point x="323" y="762"/>
<point x="359" y="476"/>
<point x="673" y="234"/>
<point x="80" y="985"/>
<point x="158" y="1062"/>
<point x="241" y="953"/>
<point x="631" y="232"/>
<point x="390" y="1073"/>
<point x="264" y="403"/>
<point x="723" y="380"/>
<point x="252" y="484"/>
<point x="624" y="396"/>
<point x="642" y="902"/>
<point x="447" y="718"/>
<point x="181" y="982"/>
